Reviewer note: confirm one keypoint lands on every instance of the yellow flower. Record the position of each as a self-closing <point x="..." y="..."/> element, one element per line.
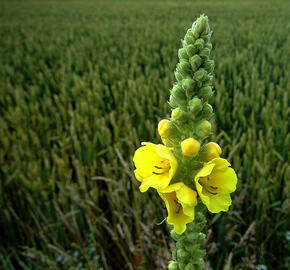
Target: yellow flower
<point x="214" y="183"/>
<point x="155" y="166"/>
<point x="180" y="201"/>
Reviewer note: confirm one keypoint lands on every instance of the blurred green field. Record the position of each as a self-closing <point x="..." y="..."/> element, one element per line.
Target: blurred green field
<point x="83" y="83"/>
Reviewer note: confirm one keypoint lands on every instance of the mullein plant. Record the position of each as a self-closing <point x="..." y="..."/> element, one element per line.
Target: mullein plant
<point x="186" y="171"/>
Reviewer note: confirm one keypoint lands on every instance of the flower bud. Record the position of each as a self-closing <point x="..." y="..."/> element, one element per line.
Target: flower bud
<point x="164" y="127"/>
<point x="203" y="129"/>
<point x="182" y="69"/>
<point x="181" y="265"/>
<point x="211" y="150"/>
<point x="200" y="75"/>
<point x="188" y="84"/>
<point x="178" y="93"/>
<point x="195" y="105"/>
<point x="182" y="54"/>
<point x="199" y="44"/>
<point x="190" y="147"/>
<point x="208" y="65"/>
<point x="173" y="265"/>
<point x="172" y="102"/>
<point x="184" y="65"/>
<point x="189" y="266"/>
<point x="204" y="53"/>
<point x="190" y="50"/>
<point x="206" y="92"/>
<point x="178" y="76"/>
<point x="176" y="114"/>
<point x="207" y="110"/>
<point x="195" y="62"/>
<point x="182" y="254"/>
<point x="189" y="39"/>
<point x="209" y="45"/>
<point x="200" y="26"/>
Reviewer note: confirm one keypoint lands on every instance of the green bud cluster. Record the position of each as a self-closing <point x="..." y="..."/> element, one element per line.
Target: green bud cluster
<point x="189" y="246"/>
<point x="194" y="76"/>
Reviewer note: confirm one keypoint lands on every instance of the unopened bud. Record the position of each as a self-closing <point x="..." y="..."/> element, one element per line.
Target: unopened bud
<point x="195" y="105"/>
<point x="188" y="84"/>
<point x="204" y="53"/>
<point x="172" y="102"/>
<point x="176" y="114"/>
<point x="164" y="127"/>
<point x="200" y="26"/>
<point x="182" y="254"/>
<point x="189" y="266"/>
<point x="189" y="39"/>
<point x="203" y="129"/>
<point x="182" y="53"/>
<point x="195" y="61"/>
<point x="184" y="65"/>
<point x="173" y="265"/>
<point x="207" y="110"/>
<point x="200" y="75"/>
<point x="190" y="147"/>
<point x="209" y="45"/>
<point x="206" y="92"/>
<point x="208" y="65"/>
<point x="211" y="150"/>
<point x="178" y="76"/>
<point x="178" y="93"/>
<point x="181" y="265"/>
<point x="199" y="44"/>
<point x="190" y="50"/>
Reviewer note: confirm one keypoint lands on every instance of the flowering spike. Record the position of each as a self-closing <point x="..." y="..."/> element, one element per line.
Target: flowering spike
<point x="185" y="169"/>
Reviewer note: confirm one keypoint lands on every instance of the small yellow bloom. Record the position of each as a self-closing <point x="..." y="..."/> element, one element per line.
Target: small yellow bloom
<point x="211" y="150"/>
<point x="190" y="147"/>
<point x="180" y="201"/>
<point x="164" y="127"/>
<point x="155" y="166"/>
<point x="214" y="183"/>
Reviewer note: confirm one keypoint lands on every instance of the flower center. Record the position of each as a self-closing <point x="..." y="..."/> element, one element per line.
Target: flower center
<point x="205" y="182"/>
<point x="161" y="167"/>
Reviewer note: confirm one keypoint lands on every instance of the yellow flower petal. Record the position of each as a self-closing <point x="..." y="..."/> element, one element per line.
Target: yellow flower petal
<point x="155" y="181"/>
<point x="220" y="163"/>
<point x="180" y="202"/>
<point x="138" y="176"/>
<point x="186" y="195"/>
<point x="217" y="203"/>
<point x="214" y="183"/>
<point x="145" y="157"/>
<point x="205" y="171"/>
<point x="165" y="153"/>
<point x="226" y="180"/>
<point x="155" y="166"/>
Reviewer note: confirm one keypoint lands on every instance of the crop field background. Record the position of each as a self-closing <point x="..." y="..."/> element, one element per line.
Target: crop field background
<point x="83" y="83"/>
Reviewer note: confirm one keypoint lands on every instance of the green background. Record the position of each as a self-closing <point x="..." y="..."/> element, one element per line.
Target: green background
<point x="83" y="83"/>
